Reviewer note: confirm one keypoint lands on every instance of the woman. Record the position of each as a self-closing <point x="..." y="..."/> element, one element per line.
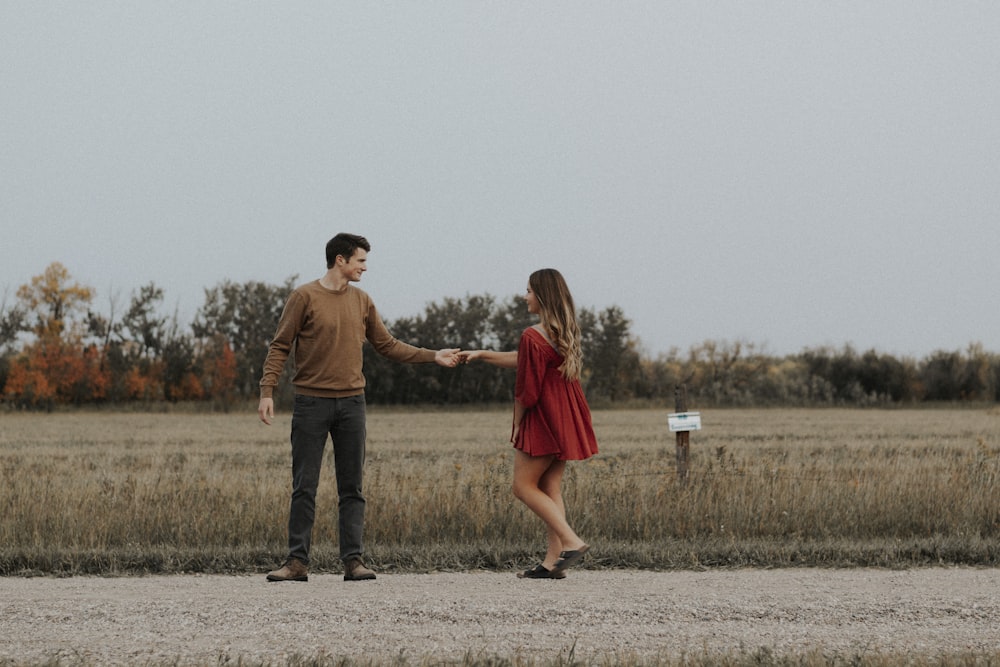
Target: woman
<point x="552" y="422"/>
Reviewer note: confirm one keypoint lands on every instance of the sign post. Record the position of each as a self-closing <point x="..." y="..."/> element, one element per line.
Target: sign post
<point x="682" y="423"/>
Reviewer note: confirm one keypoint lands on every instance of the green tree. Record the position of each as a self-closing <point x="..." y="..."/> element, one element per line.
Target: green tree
<point x="13" y="322"/>
<point x="941" y="376"/>
<point x="102" y="329"/>
<point x="458" y="323"/>
<point x="885" y="378"/>
<point x="475" y="322"/>
<point x="611" y="362"/>
<point x="834" y="376"/>
<point x="508" y="321"/>
<point x="181" y="372"/>
<point x="246" y="315"/>
<point x="730" y="371"/>
<point x="977" y="382"/>
<point x="146" y="329"/>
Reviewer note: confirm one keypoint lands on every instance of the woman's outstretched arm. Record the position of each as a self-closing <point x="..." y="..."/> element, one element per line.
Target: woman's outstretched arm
<point x="501" y="359"/>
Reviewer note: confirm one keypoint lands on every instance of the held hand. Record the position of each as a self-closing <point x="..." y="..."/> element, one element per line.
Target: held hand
<point x="265" y="410"/>
<point x="466" y="356"/>
<point x="501" y="359"/>
<point x="447" y="357"/>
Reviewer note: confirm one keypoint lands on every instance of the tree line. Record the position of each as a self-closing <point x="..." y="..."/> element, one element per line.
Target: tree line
<point x="58" y="348"/>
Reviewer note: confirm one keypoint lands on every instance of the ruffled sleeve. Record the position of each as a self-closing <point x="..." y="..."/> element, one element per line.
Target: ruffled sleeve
<point x="531" y="368"/>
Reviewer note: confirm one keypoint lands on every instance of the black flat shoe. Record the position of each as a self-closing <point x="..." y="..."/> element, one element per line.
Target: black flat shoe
<point x="568" y="559"/>
<point x="541" y="572"/>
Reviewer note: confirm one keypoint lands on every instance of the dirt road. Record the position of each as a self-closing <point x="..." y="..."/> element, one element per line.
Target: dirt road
<point x="208" y="619"/>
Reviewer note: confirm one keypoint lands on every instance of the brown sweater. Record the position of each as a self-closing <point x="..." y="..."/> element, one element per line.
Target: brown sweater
<point x="328" y="330"/>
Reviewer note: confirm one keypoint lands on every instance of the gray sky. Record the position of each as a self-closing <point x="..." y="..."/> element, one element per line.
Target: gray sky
<point x="789" y="174"/>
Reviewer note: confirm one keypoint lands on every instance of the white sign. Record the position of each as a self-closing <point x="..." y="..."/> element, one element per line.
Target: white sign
<point x="684" y="421"/>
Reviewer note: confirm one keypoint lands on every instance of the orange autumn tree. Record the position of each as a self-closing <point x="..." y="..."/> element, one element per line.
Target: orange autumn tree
<point x="51" y="371"/>
<point x="219" y="370"/>
<point x="56" y="367"/>
<point x="53" y="302"/>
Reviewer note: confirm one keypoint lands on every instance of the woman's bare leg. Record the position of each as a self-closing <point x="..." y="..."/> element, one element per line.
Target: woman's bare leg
<point x="535" y="477"/>
<point x="550" y="484"/>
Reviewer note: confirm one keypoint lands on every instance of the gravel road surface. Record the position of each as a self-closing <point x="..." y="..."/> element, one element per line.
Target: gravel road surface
<point x="200" y="619"/>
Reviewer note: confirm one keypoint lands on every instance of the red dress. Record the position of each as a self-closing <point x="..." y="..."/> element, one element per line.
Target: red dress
<point x="556" y="419"/>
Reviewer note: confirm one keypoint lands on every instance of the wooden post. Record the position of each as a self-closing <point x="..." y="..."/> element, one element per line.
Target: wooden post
<point x="680" y="405"/>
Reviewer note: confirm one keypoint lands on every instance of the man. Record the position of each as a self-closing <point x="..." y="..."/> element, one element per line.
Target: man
<point x="327" y="321"/>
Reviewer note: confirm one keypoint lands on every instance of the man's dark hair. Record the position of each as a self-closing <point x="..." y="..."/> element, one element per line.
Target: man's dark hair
<point x="345" y="246"/>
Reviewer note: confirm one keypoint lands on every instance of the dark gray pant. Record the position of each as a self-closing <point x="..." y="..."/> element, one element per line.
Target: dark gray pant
<point x="343" y="419"/>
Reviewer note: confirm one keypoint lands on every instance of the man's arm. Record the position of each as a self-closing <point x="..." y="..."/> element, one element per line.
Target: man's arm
<point x="277" y="354"/>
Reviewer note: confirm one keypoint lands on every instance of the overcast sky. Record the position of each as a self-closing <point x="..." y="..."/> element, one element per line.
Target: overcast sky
<point x="789" y="174"/>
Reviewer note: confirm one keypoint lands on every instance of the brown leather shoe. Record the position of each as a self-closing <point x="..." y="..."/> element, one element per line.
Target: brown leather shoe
<point x="292" y="570"/>
<point x="355" y="570"/>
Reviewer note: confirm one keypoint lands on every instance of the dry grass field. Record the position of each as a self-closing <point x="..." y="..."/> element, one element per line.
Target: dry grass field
<point x="95" y="492"/>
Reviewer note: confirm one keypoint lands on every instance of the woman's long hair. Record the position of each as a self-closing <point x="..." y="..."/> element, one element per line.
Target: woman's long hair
<point x="558" y="314"/>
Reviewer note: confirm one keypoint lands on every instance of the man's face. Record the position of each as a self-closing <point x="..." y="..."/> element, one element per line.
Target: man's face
<point x="355" y="266"/>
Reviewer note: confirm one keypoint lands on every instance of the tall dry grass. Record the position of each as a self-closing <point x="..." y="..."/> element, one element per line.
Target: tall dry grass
<point x="96" y="492"/>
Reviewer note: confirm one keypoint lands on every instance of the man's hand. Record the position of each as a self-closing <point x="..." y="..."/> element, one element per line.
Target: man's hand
<point x="265" y="410"/>
<point x="447" y="358"/>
